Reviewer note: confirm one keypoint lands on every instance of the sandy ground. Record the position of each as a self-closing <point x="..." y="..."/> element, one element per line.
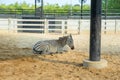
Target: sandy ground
<point x="18" y="63"/>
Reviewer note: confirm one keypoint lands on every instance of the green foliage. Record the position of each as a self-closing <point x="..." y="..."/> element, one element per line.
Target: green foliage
<point x="25" y="8"/>
<point x="76" y="8"/>
<point x="86" y="7"/>
<point x="55" y="8"/>
<point x="3" y="6"/>
<point x="51" y="8"/>
<point x="112" y="5"/>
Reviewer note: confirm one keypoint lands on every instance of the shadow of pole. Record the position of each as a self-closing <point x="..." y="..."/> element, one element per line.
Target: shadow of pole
<point x="62" y="62"/>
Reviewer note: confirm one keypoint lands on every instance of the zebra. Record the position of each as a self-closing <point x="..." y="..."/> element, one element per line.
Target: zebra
<point x="53" y="46"/>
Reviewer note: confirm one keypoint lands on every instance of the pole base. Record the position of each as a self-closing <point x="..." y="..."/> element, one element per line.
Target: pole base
<point x="95" y="64"/>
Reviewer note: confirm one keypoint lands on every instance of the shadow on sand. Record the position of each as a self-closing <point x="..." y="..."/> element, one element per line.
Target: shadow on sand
<point x="61" y="62"/>
<point x="37" y="58"/>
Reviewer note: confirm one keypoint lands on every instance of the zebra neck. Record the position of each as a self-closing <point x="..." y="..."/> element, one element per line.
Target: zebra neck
<point x="61" y="43"/>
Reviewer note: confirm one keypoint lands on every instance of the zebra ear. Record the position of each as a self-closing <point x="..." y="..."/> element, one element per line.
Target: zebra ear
<point x="70" y="35"/>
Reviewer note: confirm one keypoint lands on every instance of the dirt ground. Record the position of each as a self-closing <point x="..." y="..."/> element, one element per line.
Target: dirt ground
<point x="18" y="63"/>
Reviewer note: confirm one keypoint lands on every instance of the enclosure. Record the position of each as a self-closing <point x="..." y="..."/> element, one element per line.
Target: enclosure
<point x="18" y="62"/>
<point x="18" y="35"/>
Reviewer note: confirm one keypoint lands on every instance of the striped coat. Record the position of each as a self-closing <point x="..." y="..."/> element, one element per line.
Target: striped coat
<point x="52" y="46"/>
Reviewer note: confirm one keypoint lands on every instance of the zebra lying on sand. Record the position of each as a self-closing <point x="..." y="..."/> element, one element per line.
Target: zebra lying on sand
<point x="53" y="46"/>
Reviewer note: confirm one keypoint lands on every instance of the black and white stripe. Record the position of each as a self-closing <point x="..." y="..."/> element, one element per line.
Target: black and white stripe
<point x="53" y="46"/>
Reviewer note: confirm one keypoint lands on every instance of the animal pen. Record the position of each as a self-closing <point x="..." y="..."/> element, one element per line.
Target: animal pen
<point x="17" y="58"/>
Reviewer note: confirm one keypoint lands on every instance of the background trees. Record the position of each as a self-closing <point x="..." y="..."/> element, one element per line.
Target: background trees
<point x="49" y="8"/>
<point x="112" y="7"/>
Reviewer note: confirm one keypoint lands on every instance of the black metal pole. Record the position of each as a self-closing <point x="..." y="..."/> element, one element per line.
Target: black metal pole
<point x="81" y="8"/>
<point x="35" y="6"/>
<point x="42" y="8"/>
<point x="95" y="30"/>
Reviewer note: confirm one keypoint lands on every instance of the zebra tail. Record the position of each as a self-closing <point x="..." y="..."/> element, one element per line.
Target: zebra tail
<point x="37" y="52"/>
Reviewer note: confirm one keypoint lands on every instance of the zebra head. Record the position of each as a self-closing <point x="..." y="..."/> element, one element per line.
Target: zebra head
<point x="67" y="40"/>
<point x="70" y="41"/>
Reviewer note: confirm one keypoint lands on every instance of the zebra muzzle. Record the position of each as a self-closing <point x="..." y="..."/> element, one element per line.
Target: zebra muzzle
<point x="72" y="47"/>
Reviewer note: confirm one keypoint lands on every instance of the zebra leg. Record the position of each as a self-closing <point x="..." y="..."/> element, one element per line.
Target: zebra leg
<point x="60" y="50"/>
<point x="47" y="50"/>
<point x="65" y="50"/>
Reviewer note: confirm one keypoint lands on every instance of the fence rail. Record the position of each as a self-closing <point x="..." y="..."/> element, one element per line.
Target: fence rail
<point x="47" y="26"/>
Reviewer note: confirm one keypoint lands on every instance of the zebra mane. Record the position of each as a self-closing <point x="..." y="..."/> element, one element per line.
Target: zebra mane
<point x="63" y="40"/>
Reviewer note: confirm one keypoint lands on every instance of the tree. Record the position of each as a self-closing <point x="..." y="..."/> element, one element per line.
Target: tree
<point x="24" y="5"/>
<point x="2" y="6"/>
<point x="112" y="5"/>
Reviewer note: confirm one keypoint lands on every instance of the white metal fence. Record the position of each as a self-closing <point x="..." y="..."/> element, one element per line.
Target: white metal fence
<point x="55" y="26"/>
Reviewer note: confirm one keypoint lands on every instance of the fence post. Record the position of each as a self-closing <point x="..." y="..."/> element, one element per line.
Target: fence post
<point x="105" y="28"/>
<point x="46" y="26"/>
<point x="66" y="27"/>
<point x="63" y="26"/>
<point x="15" y="25"/>
<point x="79" y="22"/>
<point x="115" y="26"/>
<point x="9" y="24"/>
